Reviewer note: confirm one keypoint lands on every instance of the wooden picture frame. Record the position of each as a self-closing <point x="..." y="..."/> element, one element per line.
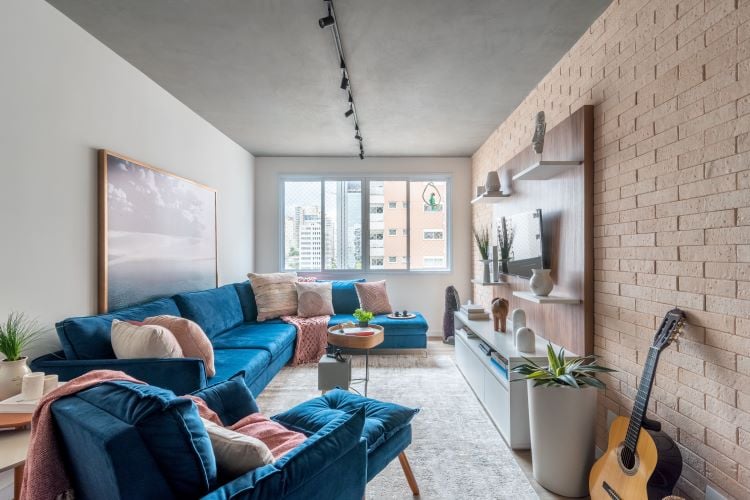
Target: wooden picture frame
<point x="158" y="233"/>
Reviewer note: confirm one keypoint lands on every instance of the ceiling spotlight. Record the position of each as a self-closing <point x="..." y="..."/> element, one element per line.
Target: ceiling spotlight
<point x="361" y="156"/>
<point x="350" y="98"/>
<point x="349" y="112"/>
<point x="344" y="82"/>
<point x="358" y="137"/>
<point x="325" y="22"/>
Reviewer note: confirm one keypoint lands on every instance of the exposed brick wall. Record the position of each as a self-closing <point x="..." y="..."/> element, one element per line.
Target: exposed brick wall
<point x="670" y="82"/>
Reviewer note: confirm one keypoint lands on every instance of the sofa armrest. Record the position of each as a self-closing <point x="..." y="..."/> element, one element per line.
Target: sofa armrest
<point x="180" y="375"/>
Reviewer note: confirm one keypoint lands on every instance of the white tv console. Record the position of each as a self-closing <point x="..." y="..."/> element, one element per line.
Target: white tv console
<point x="506" y="403"/>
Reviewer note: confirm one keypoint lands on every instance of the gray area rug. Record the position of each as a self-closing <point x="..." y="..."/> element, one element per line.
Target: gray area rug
<point x="456" y="451"/>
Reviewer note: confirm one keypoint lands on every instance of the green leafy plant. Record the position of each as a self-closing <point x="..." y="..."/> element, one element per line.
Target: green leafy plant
<point x="482" y="237"/>
<point x="363" y="316"/>
<point x="17" y="334"/>
<point x="573" y="372"/>
<point x="505" y="239"/>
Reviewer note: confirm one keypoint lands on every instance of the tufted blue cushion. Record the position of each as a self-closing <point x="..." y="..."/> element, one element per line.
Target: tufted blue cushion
<point x="231" y="399"/>
<point x="88" y="337"/>
<point x="247" y="301"/>
<point x="382" y="419"/>
<point x="215" y="310"/>
<point x="345" y="299"/>
<point x="168" y="427"/>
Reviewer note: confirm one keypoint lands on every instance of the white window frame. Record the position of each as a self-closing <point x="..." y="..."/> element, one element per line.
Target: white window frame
<point x="365" y="230"/>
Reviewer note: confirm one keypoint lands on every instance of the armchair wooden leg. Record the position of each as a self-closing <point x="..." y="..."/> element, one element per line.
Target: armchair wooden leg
<point x="409" y="474"/>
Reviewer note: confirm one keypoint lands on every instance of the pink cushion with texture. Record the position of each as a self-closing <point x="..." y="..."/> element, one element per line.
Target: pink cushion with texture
<point x="373" y="297"/>
<point x="190" y="336"/>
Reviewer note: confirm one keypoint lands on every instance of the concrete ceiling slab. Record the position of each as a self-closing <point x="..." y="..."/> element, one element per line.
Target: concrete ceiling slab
<point x="430" y="77"/>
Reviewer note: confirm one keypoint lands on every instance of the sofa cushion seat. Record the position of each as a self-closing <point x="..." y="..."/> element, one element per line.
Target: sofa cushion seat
<point x="215" y="310"/>
<point x="382" y="419"/>
<point x="230" y="361"/>
<point x="413" y="326"/>
<point x="88" y="337"/>
<point x="273" y="337"/>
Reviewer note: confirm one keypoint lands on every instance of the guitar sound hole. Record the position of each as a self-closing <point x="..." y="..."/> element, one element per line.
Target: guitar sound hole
<point x="628" y="460"/>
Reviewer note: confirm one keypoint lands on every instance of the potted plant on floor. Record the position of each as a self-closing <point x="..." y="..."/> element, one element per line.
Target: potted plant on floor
<point x="482" y="237"/>
<point x="363" y="317"/>
<point x="562" y="416"/>
<point x="16" y="335"/>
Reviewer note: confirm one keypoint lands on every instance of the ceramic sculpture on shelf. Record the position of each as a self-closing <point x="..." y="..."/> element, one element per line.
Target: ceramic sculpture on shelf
<point x="540" y="127"/>
<point x="492" y="183"/>
<point x="518" y="318"/>
<point x="499" y="313"/>
<point x="541" y="282"/>
<point x="525" y="339"/>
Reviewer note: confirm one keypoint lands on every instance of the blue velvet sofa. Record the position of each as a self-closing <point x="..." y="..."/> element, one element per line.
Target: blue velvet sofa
<point x="122" y="440"/>
<point x="228" y="315"/>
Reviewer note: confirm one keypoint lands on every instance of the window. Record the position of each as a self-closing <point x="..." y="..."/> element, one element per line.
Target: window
<point x="340" y="223"/>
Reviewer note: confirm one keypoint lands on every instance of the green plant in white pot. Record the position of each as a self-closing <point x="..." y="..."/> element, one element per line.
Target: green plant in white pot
<point x="17" y="333"/>
<point x="562" y="417"/>
<point x="363" y="317"/>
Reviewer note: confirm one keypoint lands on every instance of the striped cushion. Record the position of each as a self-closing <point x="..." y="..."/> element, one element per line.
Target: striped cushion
<point x="373" y="297"/>
<point x="275" y="294"/>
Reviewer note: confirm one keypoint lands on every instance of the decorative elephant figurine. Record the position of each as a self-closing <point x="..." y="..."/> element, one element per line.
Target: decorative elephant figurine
<point x="499" y="313"/>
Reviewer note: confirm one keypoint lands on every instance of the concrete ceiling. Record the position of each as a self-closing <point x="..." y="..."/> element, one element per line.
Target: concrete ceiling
<point x="430" y="77"/>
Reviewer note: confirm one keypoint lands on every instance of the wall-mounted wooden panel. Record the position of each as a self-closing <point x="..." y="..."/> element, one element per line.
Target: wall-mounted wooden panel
<point x="566" y="204"/>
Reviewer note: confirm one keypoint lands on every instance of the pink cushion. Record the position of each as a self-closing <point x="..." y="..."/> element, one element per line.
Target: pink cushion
<point x="278" y="438"/>
<point x="373" y="297"/>
<point x="190" y="336"/>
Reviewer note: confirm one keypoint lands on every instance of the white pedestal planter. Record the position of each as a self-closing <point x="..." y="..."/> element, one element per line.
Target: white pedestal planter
<point x="562" y="424"/>
<point x="11" y="375"/>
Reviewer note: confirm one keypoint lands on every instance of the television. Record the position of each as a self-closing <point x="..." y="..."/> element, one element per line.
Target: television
<point x="527" y="249"/>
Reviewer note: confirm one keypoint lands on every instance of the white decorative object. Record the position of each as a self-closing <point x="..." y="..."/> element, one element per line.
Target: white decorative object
<point x="561" y="420"/>
<point x="486" y="278"/>
<point x="51" y="383"/>
<point x="540" y="127"/>
<point x="518" y="319"/>
<point x="541" y="282"/>
<point x="525" y="339"/>
<point x="32" y="386"/>
<point x="492" y="183"/>
<point x="11" y="375"/>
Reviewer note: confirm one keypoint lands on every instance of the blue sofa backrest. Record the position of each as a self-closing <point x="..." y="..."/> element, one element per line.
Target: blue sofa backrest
<point x="345" y="299"/>
<point x="216" y="310"/>
<point x="247" y="301"/>
<point x="124" y="440"/>
<point x="89" y="337"/>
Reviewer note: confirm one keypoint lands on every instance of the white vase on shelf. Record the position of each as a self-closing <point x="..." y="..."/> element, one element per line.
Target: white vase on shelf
<point x="525" y="339"/>
<point x="11" y="376"/>
<point x="486" y="277"/>
<point x="541" y="282"/>
<point x="492" y="182"/>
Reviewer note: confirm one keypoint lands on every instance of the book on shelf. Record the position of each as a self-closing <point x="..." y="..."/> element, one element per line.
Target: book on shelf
<point x="478" y="316"/>
<point x="472" y="308"/>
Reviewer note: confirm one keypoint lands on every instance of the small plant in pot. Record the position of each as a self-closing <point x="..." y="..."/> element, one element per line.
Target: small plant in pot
<point x="482" y="238"/>
<point x="363" y="317"/>
<point x="17" y="334"/>
<point x="562" y="417"/>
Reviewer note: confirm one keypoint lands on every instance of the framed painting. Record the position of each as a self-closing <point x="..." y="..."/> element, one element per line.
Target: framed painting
<point x="157" y="233"/>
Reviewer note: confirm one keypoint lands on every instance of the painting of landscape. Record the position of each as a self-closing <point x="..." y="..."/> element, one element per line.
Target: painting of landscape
<point x="158" y="233"/>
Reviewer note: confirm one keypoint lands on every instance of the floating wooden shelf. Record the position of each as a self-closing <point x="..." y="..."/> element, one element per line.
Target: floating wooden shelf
<point x="489" y="283"/>
<point x="545" y="169"/>
<point x="490" y="197"/>
<point x="549" y="299"/>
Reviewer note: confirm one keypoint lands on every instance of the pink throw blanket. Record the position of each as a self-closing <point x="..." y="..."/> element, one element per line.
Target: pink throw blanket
<point x="278" y="438"/>
<point x="312" y="338"/>
<point x="44" y="476"/>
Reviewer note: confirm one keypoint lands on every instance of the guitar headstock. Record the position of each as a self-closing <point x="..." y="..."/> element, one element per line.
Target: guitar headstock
<point x="670" y="329"/>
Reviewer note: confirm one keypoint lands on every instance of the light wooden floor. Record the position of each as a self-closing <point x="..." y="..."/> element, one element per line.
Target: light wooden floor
<point x="436" y="346"/>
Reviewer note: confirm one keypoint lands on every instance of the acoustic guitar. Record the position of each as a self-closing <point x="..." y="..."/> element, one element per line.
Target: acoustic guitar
<point x="641" y="462"/>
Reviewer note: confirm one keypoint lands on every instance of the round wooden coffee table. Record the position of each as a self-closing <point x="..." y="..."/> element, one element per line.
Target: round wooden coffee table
<point x="344" y="335"/>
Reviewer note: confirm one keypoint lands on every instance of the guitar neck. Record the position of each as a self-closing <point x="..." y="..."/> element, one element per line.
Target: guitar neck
<point x="641" y="399"/>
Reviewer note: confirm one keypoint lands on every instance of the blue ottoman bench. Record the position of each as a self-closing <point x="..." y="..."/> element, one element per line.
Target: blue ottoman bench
<point x="387" y="429"/>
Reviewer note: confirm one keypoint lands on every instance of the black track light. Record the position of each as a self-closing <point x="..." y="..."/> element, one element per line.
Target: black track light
<point x="344" y="82"/>
<point x="351" y="101"/>
<point x="343" y="64"/>
<point x="349" y="112"/>
<point x="358" y="137"/>
<point x="361" y="156"/>
<point x="325" y="22"/>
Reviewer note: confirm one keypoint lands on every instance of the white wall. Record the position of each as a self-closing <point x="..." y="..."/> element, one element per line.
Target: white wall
<point x="63" y="95"/>
<point x="422" y="292"/>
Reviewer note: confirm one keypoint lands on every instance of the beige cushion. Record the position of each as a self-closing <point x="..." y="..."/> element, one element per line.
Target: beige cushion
<point x="146" y="341"/>
<point x="373" y="297"/>
<point x="236" y="453"/>
<point x="190" y="336"/>
<point x="275" y="294"/>
<point x="314" y="299"/>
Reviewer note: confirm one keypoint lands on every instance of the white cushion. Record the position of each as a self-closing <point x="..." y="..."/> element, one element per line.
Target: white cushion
<point x="147" y="341"/>
<point x="236" y="453"/>
<point x="314" y="299"/>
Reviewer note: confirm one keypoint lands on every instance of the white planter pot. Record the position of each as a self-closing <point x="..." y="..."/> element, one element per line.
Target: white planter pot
<point x="562" y="424"/>
<point x="11" y="376"/>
